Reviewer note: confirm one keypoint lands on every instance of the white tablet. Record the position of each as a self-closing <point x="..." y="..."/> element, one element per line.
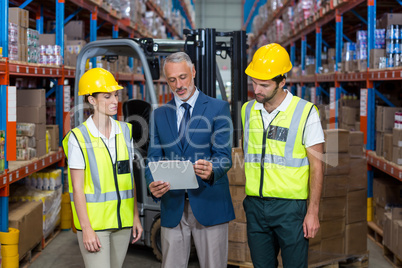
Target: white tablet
<point x="180" y="174"/>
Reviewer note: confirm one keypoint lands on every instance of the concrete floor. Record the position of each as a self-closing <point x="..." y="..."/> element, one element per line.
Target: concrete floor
<point x="63" y="252"/>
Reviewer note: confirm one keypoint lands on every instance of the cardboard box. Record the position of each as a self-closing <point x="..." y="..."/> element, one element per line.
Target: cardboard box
<point x="31" y="97"/>
<point x="385" y="118"/>
<point x="336" y="164"/>
<point x="334" y="245"/>
<point x="356" y="238"/>
<point x="40" y="148"/>
<point x="399" y="239"/>
<point x="35" y="115"/>
<point x="387" y="191"/>
<point x="332" y="228"/>
<point x="387" y="230"/>
<point x="237" y="174"/>
<point x="334" y="186"/>
<point x="395" y="244"/>
<point x="397" y="137"/>
<point x="75" y="30"/>
<point x="356" y="151"/>
<point x="378" y="215"/>
<point x="237" y="193"/>
<point x="239" y="252"/>
<point x="19" y="16"/>
<point x="28" y="218"/>
<point x="397" y="155"/>
<point x="357" y="178"/>
<point x="379" y="143"/>
<point x="239" y="211"/>
<point x="336" y="141"/>
<point x="356" y="206"/>
<point x="387" y="147"/>
<point x="356" y="138"/>
<point x="332" y="208"/>
<point x="375" y="55"/>
<point x="389" y="19"/>
<point x="349" y="115"/>
<point x="357" y="126"/>
<point x="237" y="231"/>
<point x="47" y="39"/>
<point x="54" y="136"/>
<point x="40" y="132"/>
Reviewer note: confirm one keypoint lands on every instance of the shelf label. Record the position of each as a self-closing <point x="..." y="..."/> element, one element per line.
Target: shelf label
<point x="26" y="170"/>
<point x="50" y="158"/>
<point x="17" y="174"/>
<point x="4" y="180"/>
<point x="12" y="104"/>
<point x="363" y="103"/>
<point x="35" y="166"/>
<point x="379" y="75"/>
<point x="27" y="70"/>
<point x="385" y="74"/>
<point x="67" y="99"/>
<point x="57" y="71"/>
<point x="378" y="163"/>
<point x="392" y="170"/>
<point x="385" y="166"/>
<point x="43" y="71"/>
<point x="36" y="70"/>
<point x="68" y="72"/>
<point x="332" y="92"/>
<point x="10" y="178"/>
<point x="43" y="162"/>
<point x="18" y="69"/>
<point x="57" y="156"/>
<point x="400" y="174"/>
<point x="393" y="74"/>
<point x="51" y="71"/>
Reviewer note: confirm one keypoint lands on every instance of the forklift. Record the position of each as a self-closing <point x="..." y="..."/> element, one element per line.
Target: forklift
<point x="203" y="47"/>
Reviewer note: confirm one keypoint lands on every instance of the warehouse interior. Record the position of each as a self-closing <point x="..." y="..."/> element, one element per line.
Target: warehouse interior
<point x="347" y="61"/>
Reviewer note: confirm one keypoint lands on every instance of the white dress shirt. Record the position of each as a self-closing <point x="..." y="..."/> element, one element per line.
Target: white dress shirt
<point x="180" y="110"/>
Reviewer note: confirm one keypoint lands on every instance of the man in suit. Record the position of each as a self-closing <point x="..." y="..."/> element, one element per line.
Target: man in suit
<point x="198" y="128"/>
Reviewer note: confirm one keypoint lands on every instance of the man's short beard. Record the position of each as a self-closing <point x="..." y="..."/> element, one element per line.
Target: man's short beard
<point x="266" y="99"/>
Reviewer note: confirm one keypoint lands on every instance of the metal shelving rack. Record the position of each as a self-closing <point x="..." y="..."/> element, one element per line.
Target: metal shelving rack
<point x="16" y="170"/>
<point x="367" y="94"/>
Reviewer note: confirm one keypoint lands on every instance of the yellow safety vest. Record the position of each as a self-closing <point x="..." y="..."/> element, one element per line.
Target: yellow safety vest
<point x="108" y="187"/>
<point x="276" y="163"/>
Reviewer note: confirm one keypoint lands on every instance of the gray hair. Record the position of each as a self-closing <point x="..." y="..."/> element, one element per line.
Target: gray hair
<point x="177" y="58"/>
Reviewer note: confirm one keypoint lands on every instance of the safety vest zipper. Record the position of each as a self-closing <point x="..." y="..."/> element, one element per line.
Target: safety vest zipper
<point x="264" y="143"/>
<point x="115" y="182"/>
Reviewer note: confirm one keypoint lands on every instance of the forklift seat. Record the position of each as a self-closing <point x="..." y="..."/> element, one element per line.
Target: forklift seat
<point x="137" y="113"/>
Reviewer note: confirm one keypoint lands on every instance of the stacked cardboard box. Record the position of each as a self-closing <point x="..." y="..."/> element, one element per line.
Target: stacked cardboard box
<point x="349" y="114"/>
<point x="385" y="118"/>
<point x="342" y="209"/>
<point x="396" y="146"/>
<point x="331" y="238"/>
<point x="53" y="137"/>
<point x="386" y="193"/>
<point x="356" y="198"/>
<point x="393" y="231"/>
<point x="20" y="17"/>
<point x="31" y="108"/>
<point x="238" y="246"/>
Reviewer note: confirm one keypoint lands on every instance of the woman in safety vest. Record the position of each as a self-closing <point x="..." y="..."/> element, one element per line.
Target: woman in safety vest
<point x="101" y="182"/>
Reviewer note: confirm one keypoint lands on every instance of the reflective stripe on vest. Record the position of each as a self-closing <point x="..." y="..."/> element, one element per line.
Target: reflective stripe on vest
<point x="98" y="196"/>
<point x="286" y="160"/>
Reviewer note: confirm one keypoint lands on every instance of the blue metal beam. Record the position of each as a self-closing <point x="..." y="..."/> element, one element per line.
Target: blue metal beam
<point x="325" y="43"/>
<point x="399" y="1"/>
<point x="115" y="31"/>
<point x="51" y="91"/>
<point x="323" y="91"/>
<point x="311" y="48"/>
<point x="371" y="18"/>
<point x="293" y="53"/>
<point x="93" y="32"/>
<point x="360" y="17"/>
<point x="381" y="96"/>
<point x="318" y="51"/>
<point x="39" y="20"/>
<point x="303" y="52"/>
<point x="27" y="2"/>
<point x="338" y="47"/>
<point x="72" y="15"/>
<point x="343" y="35"/>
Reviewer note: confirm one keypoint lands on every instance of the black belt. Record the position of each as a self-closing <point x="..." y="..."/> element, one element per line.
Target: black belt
<point x="185" y="196"/>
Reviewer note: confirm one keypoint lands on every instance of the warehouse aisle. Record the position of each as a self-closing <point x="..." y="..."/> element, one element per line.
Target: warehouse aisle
<point x="63" y="252"/>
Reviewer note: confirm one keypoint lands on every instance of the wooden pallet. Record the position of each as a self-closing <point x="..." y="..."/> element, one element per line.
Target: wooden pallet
<point x="392" y="258"/>
<point x="31" y="256"/>
<point x="50" y="237"/>
<point x="375" y="233"/>
<point x="323" y="261"/>
<point x="240" y="264"/>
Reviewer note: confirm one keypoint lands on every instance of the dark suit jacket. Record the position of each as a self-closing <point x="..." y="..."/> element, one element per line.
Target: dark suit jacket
<point x="210" y="138"/>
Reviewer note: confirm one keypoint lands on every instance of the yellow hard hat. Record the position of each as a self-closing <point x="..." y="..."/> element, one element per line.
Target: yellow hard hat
<point x="97" y="80"/>
<point x="268" y="62"/>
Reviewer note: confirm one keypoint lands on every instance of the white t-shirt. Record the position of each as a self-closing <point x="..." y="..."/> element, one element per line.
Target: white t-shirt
<point x="313" y="133"/>
<point x="75" y="157"/>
